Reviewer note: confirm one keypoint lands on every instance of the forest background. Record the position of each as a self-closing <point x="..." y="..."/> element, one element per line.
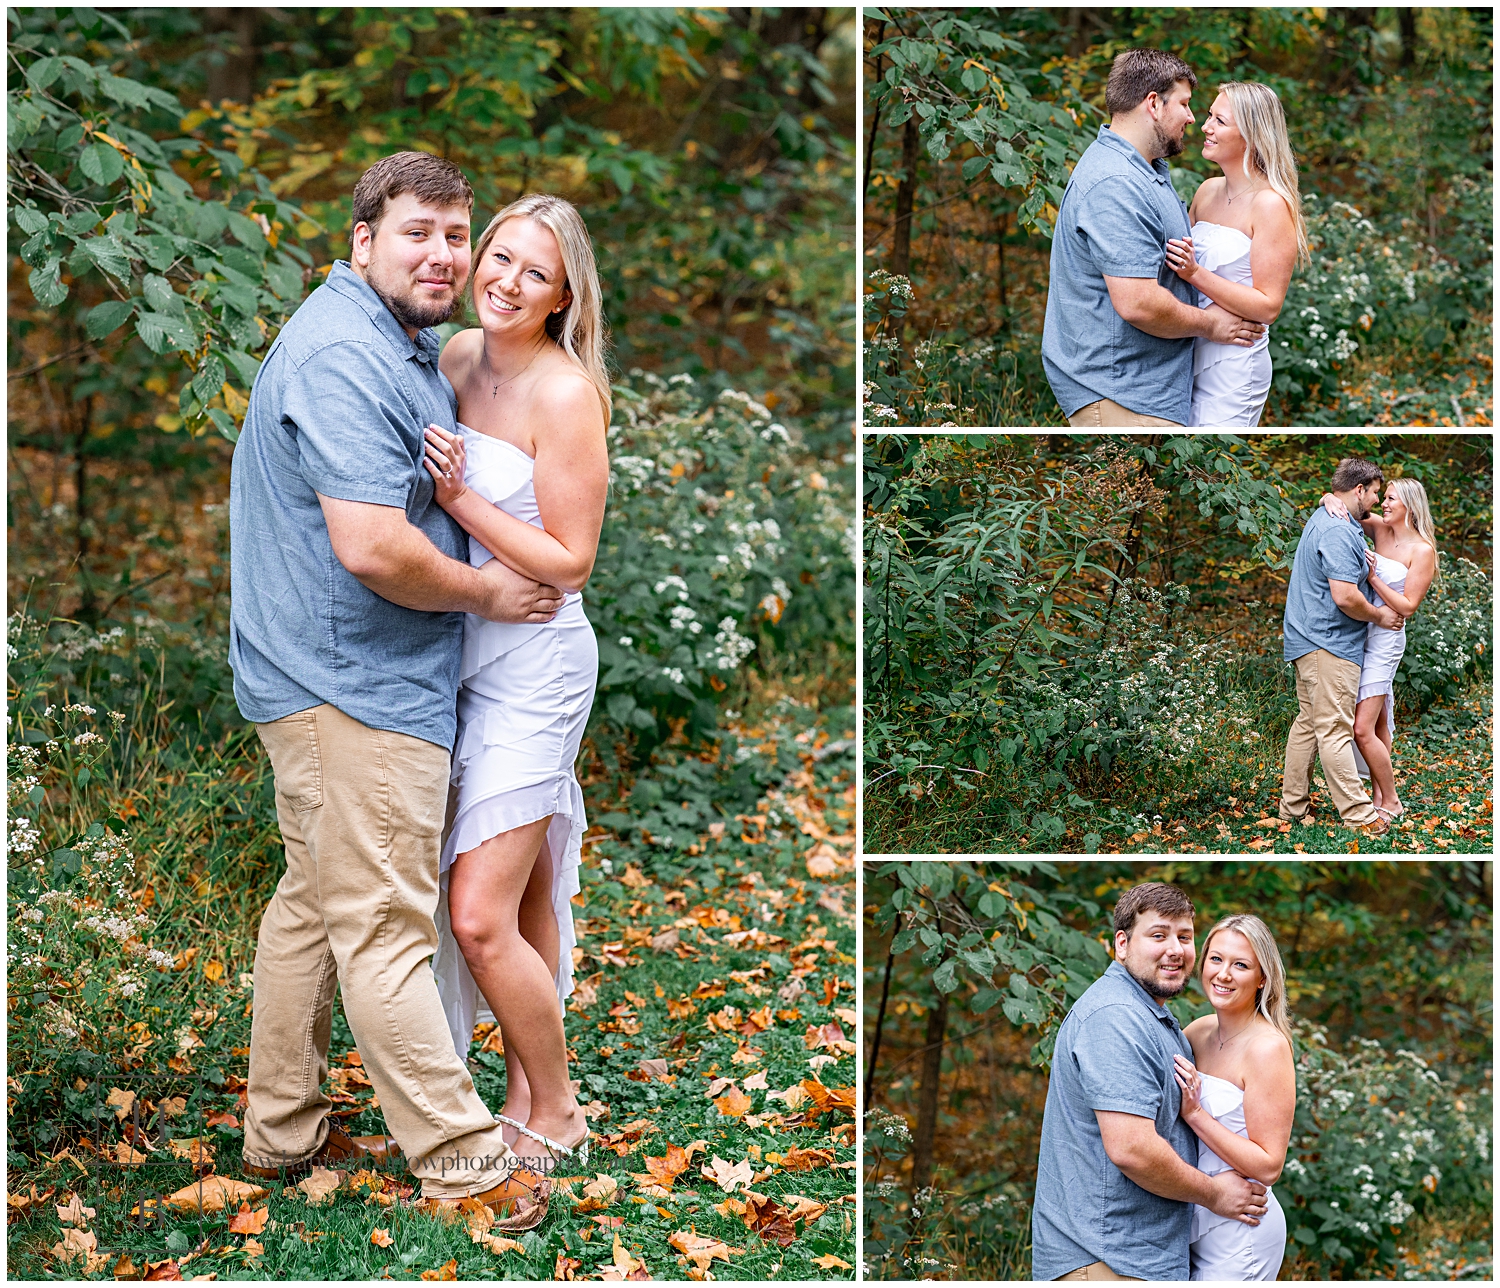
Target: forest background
<point x="970" y="967"/>
<point x="1073" y="643"/>
<point x="975" y="118"/>
<point x="179" y="181"/>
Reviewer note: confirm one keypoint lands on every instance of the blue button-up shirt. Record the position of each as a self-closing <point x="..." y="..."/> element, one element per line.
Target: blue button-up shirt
<point x="1329" y="548"/>
<point x="339" y="408"/>
<point x="1114" y="1052"/>
<point x="1117" y="213"/>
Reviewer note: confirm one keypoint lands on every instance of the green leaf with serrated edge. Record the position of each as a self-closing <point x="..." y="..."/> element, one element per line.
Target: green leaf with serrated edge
<point x="107" y="317"/>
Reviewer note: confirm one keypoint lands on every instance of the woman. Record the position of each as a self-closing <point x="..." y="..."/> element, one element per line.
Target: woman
<point x="526" y="478"/>
<point x="1247" y="232"/>
<point x="1239" y="1094"/>
<point x="1403" y="566"/>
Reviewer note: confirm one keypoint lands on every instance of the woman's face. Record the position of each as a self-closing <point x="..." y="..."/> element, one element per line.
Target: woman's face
<point x="1231" y="974"/>
<point x="519" y="280"/>
<point x="1392" y="511"/>
<point x="1222" y="141"/>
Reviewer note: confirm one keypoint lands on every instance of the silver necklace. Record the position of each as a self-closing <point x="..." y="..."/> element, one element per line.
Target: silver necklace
<point x="484" y="360"/>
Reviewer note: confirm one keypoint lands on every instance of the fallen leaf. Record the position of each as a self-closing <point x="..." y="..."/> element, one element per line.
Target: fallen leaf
<point x="320" y="1184"/>
<point x="163" y="1270"/>
<point x="247" y="1222"/>
<point x="193" y="1150"/>
<point x="732" y="1103"/>
<point x="213" y="971"/>
<point x="830" y="1262"/>
<point x="827" y="1100"/>
<point x="727" y="1175"/>
<point x="794" y="1096"/>
<point x="655" y="1068"/>
<point x="669" y="1167"/>
<point x="805" y="1160"/>
<point x="74" y="1213"/>
<point x="254" y="1248"/>
<point x="381" y="1238"/>
<point x="1261" y="843"/>
<point x="127" y="1156"/>
<point x="756" y="1081"/>
<point x="598" y="1194"/>
<point x="80" y="1245"/>
<point x="700" y="1249"/>
<point x="213" y="1194"/>
<point x="804" y="1209"/>
<point x="718" y="1086"/>
<point x="624" y="1266"/>
<point x="609" y="1222"/>
<point x="448" y="1270"/>
<point x="666" y="941"/>
<point x="221" y="1118"/>
<point x="564" y="1267"/>
<point x="120" y="1101"/>
<point x="769" y="1219"/>
<point x="497" y="1243"/>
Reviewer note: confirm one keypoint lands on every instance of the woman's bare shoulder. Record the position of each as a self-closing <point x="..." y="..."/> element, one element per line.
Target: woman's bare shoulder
<point x="1267" y="1044"/>
<point x="1197" y="1030"/>
<point x="461" y="353"/>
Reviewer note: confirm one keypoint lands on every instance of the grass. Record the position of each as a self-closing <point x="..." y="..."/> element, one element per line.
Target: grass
<point x="1444" y="770"/>
<point x="751" y="966"/>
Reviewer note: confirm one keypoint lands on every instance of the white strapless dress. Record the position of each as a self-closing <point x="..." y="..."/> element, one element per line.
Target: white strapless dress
<point x="1220" y="1247"/>
<point x="1384" y="650"/>
<point x="1230" y="382"/>
<point x="524" y="698"/>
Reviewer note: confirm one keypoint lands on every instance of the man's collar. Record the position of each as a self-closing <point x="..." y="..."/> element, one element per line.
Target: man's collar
<point x="1120" y="143"/>
<point x="343" y="279"/>
<point x="1160" y="1010"/>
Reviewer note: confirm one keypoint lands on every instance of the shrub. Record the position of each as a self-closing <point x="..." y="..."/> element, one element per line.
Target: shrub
<point x="1449" y="635"/>
<point x="723" y="541"/>
<point x="1379" y="1137"/>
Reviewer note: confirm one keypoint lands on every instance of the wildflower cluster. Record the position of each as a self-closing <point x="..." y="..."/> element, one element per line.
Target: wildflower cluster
<point x="722" y="537"/>
<point x="1378" y="1135"/>
<point x="1450" y="635"/>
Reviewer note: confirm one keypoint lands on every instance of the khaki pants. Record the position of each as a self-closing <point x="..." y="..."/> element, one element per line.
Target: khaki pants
<point x="1110" y="413"/>
<point x="1327" y="694"/>
<point x="1096" y="1270"/>
<point x="361" y="814"/>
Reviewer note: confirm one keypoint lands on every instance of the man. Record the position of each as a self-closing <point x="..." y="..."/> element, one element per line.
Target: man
<point x="349" y="586"/>
<point x="1118" y="1166"/>
<point x="1328" y="602"/>
<point x="1117" y="343"/>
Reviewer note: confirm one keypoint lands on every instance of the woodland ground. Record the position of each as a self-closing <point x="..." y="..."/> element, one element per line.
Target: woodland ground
<point x="702" y="996"/>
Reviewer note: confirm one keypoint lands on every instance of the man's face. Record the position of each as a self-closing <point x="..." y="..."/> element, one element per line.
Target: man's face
<point x="1159" y="953"/>
<point x="1364" y="499"/>
<point x="416" y="259"/>
<point x="1170" y="117"/>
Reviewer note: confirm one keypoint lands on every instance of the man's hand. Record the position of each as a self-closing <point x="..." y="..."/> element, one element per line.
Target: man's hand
<point x="1234" y="1196"/>
<point x="516" y="598"/>
<point x="1388" y="617"/>
<point x="1226" y="328"/>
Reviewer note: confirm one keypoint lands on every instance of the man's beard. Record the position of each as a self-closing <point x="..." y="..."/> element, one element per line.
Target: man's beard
<point x="1157" y="990"/>
<point x="1167" y="146"/>
<point x="407" y="310"/>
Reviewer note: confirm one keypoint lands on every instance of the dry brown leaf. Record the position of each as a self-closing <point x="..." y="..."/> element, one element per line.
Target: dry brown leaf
<point x="733" y="1103"/>
<point x="120" y="1101"/>
<point x="74" y="1213"/>
<point x="320" y="1185"/>
<point x="498" y="1243"/>
<point x="769" y="1219"/>
<point x="194" y="1150"/>
<point x="655" y="1068"/>
<point x="247" y="1222"/>
<point x="804" y="1209"/>
<point x="718" y="1086"/>
<point x="666" y="941"/>
<point x="381" y="1238"/>
<point x="598" y="1194"/>
<point x="80" y="1245"/>
<point x="805" y="1160"/>
<point x="163" y="1270"/>
<point x="700" y="1249"/>
<point x="756" y="1081"/>
<point x="830" y="1262"/>
<point x="727" y="1175"/>
<point x="448" y="1270"/>
<point x="564" y="1267"/>
<point x="213" y="1194"/>
<point x="127" y="1156"/>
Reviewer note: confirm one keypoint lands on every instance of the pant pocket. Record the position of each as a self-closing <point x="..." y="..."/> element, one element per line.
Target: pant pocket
<point x="296" y="759"/>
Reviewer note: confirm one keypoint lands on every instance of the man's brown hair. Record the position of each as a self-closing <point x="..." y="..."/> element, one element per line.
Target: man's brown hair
<point x="428" y="178"/>
<point x="1353" y="472"/>
<point x="1153" y="896"/>
<point x="1139" y="72"/>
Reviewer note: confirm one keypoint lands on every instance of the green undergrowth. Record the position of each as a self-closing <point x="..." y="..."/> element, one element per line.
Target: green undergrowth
<point x="1444" y="768"/>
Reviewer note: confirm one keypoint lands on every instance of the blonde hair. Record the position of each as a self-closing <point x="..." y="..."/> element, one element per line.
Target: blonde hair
<point x="1268" y="150"/>
<point x="1414" y="497"/>
<point x="1270" y="1000"/>
<point x="579" y="329"/>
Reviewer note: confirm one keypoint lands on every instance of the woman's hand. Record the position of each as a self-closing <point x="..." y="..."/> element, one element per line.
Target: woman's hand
<point x="1334" y="506"/>
<point x="445" y="462"/>
<point x="1181" y="259"/>
<point x="1191" y="1082"/>
<point x="1370" y="559"/>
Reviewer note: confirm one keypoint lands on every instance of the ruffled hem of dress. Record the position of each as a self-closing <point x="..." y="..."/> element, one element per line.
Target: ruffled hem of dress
<point x="1375" y="689"/>
<point x="485" y="641"/>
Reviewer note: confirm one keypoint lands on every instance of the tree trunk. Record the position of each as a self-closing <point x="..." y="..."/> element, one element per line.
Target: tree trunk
<point x="231" y="74"/>
<point x="1408" y="21"/>
<point x="875" y="115"/>
<point x="905" y="198"/>
<point x="885" y="994"/>
<point x="927" y="1103"/>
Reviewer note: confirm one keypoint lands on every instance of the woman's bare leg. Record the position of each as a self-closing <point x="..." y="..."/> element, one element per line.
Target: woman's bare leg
<point x="538" y="925"/>
<point x="1375" y="752"/>
<point x="485" y="893"/>
<point x="1384" y="733"/>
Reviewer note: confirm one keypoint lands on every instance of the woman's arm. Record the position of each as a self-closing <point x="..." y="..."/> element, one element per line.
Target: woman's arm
<point x="571" y="478"/>
<point x="1270" y="1103"/>
<point x="1339" y="510"/>
<point x="1418" y="581"/>
<point x="1273" y="252"/>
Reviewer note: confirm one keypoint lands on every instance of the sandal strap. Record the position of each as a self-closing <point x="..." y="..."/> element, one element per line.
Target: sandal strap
<point x="553" y="1145"/>
<point x="511" y="1122"/>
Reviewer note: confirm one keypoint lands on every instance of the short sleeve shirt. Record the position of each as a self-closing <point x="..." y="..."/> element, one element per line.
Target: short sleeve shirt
<point x="1114" y="1053"/>
<point x="1329" y="549"/>
<point x="1117" y="214"/>
<point x="339" y="408"/>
